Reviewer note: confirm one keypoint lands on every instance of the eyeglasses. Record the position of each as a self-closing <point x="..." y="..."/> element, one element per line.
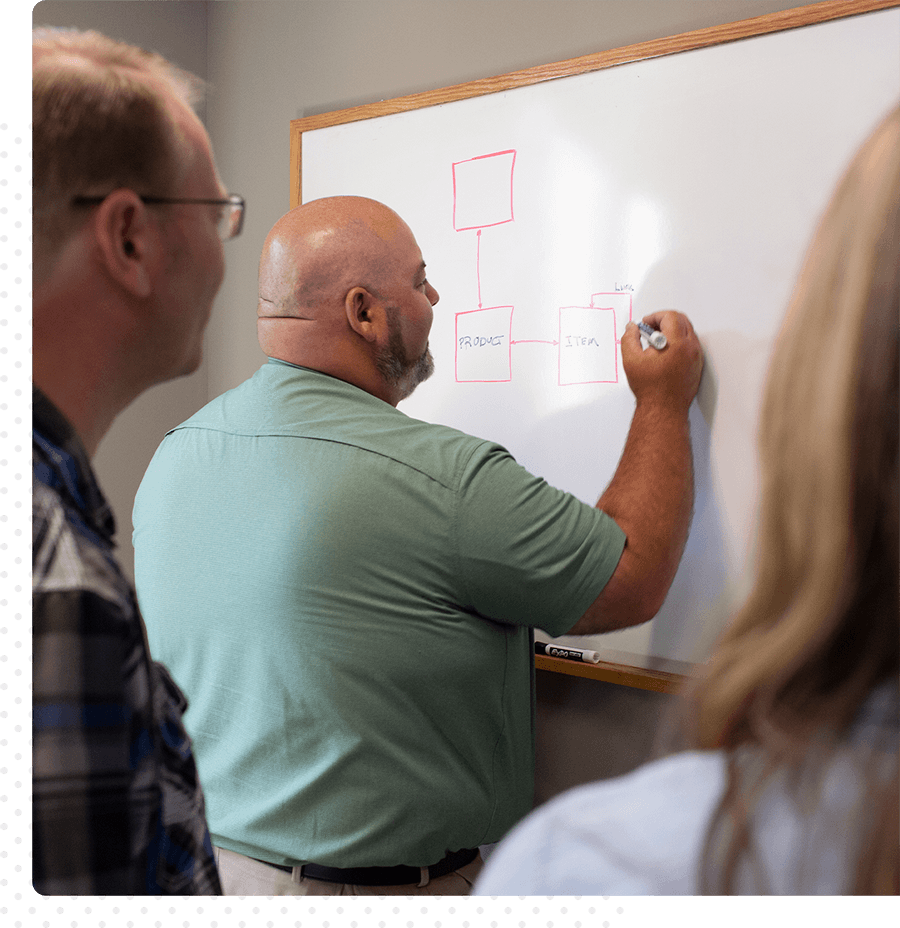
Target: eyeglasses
<point x="231" y="216"/>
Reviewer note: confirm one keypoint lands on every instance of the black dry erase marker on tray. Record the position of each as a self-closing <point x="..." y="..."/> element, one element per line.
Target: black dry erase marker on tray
<point x="570" y="654"/>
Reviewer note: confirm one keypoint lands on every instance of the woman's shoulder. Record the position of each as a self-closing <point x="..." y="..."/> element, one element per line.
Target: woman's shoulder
<point x="640" y="833"/>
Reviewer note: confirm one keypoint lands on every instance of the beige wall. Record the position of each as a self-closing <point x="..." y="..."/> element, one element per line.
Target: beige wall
<point x="270" y="62"/>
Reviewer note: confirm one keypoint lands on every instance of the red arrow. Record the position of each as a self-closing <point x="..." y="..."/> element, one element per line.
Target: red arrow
<point x="478" y="267"/>
<point x="533" y="341"/>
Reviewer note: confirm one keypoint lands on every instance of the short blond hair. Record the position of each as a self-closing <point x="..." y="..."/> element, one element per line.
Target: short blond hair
<point x="101" y="120"/>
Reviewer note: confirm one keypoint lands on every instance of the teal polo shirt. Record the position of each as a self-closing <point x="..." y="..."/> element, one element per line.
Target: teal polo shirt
<point x="346" y="596"/>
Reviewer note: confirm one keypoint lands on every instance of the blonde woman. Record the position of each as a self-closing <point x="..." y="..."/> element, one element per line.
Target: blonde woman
<point x="789" y="783"/>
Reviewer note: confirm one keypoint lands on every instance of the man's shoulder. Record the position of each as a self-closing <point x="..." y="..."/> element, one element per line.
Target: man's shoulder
<point x="235" y="409"/>
<point x="284" y="402"/>
<point x="68" y="556"/>
<point x="440" y="451"/>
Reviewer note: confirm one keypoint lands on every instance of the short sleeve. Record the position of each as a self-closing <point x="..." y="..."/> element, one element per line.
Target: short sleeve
<point x="530" y="554"/>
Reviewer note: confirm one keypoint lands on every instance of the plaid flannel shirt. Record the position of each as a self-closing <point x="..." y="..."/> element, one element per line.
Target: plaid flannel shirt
<point x="117" y="806"/>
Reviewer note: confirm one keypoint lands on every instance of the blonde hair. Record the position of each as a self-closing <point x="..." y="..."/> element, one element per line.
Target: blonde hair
<point x="819" y="631"/>
<point x="101" y="120"/>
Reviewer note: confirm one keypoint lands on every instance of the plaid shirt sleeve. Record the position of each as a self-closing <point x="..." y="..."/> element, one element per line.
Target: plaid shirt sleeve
<point x="116" y="803"/>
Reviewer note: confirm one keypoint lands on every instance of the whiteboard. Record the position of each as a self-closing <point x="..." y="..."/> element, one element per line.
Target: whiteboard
<point x="550" y="214"/>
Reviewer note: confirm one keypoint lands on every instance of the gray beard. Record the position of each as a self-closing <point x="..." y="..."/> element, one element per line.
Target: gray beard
<point x="395" y="366"/>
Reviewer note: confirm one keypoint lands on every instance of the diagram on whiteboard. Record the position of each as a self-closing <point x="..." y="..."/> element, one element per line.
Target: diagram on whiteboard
<point x="681" y="182"/>
<point x="586" y="349"/>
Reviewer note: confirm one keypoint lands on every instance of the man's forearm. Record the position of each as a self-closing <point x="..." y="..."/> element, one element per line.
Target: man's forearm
<point x="651" y="495"/>
<point x="651" y="498"/>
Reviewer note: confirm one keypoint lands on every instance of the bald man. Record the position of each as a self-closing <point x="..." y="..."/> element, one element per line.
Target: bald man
<point x="348" y="594"/>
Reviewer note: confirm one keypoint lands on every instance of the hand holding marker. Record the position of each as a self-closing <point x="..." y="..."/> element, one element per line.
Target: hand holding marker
<point x="653" y="336"/>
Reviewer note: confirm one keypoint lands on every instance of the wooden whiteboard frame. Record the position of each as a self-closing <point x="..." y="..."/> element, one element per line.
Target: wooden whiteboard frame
<point x="656" y="48"/>
<point x="649" y="673"/>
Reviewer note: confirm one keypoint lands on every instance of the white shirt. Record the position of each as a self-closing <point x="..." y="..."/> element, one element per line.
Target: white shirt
<point x="644" y="833"/>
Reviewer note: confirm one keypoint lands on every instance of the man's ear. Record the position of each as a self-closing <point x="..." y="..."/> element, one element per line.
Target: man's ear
<point x="365" y="313"/>
<point x="127" y="239"/>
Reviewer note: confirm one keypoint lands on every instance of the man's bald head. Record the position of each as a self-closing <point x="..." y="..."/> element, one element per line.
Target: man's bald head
<point x="342" y="290"/>
<point x="319" y="251"/>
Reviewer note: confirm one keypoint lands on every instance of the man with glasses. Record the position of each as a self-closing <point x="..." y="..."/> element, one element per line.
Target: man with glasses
<point x="129" y="219"/>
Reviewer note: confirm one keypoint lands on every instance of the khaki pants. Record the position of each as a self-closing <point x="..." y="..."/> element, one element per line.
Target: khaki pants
<point x="243" y="876"/>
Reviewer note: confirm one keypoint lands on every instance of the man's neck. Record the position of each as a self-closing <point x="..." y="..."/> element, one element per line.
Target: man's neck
<point x="83" y="392"/>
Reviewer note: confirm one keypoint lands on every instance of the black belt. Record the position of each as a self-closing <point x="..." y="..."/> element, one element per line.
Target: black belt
<point x="381" y="876"/>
